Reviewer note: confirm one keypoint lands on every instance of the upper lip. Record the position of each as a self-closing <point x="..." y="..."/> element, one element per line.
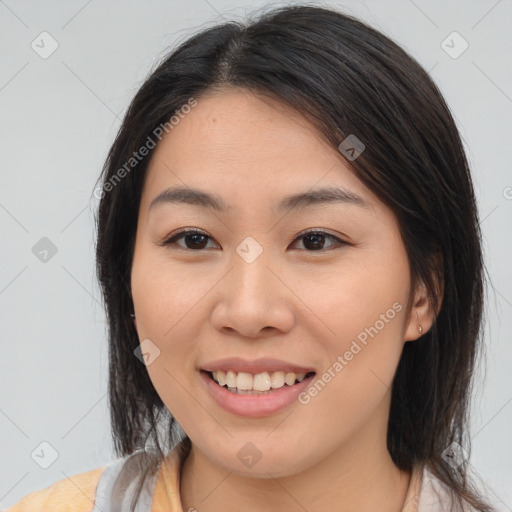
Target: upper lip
<point x="266" y="364"/>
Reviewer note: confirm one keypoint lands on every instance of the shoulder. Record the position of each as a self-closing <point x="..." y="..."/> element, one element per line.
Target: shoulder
<point x="111" y="487"/>
<point x="76" y="493"/>
<point x="436" y="496"/>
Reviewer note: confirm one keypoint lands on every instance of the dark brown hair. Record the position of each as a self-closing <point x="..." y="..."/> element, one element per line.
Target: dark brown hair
<point x="346" y="78"/>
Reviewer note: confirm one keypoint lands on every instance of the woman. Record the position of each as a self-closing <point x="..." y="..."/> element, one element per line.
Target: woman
<point x="289" y="252"/>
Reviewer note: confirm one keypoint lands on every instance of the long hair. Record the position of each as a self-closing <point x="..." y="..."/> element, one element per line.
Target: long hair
<point x="347" y="79"/>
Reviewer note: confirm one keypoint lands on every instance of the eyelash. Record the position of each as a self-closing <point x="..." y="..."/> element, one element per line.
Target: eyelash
<point x="181" y="233"/>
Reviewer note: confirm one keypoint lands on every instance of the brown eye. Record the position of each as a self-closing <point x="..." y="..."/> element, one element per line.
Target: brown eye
<point x="314" y="241"/>
<point x="194" y="239"/>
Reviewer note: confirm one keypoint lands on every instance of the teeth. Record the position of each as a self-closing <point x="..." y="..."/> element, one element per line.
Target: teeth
<point x="277" y="380"/>
<point x="260" y="382"/>
<point x="290" y="379"/>
<point x="230" y="379"/>
<point x="244" y="381"/>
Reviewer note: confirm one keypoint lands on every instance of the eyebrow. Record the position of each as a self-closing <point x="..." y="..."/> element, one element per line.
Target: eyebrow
<point x="196" y="197"/>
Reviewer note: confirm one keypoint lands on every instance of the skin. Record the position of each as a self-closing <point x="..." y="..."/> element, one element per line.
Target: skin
<point x="292" y="303"/>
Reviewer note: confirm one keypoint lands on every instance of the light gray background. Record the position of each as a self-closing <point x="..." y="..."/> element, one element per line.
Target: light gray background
<point x="59" y="116"/>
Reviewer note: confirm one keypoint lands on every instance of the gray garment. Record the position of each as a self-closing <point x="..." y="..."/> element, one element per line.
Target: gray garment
<point x="435" y="496"/>
<point x="117" y="485"/>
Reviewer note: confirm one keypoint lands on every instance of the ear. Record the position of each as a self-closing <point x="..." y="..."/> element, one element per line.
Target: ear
<point x="423" y="313"/>
<point x="419" y="320"/>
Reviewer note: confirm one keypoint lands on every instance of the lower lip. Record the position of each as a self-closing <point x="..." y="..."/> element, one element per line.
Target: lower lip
<point x="254" y="406"/>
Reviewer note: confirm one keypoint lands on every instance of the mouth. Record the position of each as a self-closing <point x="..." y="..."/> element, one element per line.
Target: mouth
<point x="254" y="395"/>
<point x="255" y="388"/>
<point x="265" y="383"/>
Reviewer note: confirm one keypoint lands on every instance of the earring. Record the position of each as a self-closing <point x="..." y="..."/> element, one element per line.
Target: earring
<point x="133" y="315"/>
<point x="420" y="328"/>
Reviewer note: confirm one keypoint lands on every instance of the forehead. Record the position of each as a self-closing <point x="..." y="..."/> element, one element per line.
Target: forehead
<point x="244" y="147"/>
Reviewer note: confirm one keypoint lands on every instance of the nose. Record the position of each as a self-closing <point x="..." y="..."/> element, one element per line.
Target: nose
<point x="254" y="300"/>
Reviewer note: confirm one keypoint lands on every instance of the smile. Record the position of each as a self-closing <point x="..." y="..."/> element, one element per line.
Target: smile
<point x="244" y="382"/>
<point x="248" y="400"/>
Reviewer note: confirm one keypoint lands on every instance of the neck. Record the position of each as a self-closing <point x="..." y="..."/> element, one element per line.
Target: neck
<point x="358" y="476"/>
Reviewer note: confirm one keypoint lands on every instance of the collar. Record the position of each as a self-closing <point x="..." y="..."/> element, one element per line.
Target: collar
<point x="166" y="496"/>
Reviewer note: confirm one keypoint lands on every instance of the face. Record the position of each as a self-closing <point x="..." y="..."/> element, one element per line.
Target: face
<point x="278" y="287"/>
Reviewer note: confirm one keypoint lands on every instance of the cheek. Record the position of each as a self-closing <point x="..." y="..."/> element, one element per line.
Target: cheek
<point x="173" y="372"/>
<point x="167" y="302"/>
<point x="364" y="311"/>
<point x="164" y="294"/>
<point x="357" y="298"/>
<point x="356" y="383"/>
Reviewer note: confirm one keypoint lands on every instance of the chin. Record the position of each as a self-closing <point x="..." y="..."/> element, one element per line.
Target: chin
<point x="268" y="461"/>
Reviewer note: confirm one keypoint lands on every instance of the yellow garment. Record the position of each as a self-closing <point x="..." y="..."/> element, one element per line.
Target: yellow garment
<point x="77" y="493"/>
<point x="73" y="494"/>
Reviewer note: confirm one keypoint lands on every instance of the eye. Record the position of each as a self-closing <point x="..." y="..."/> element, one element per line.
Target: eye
<point x="196" y="240"/>
<point x="316" y="238"/>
